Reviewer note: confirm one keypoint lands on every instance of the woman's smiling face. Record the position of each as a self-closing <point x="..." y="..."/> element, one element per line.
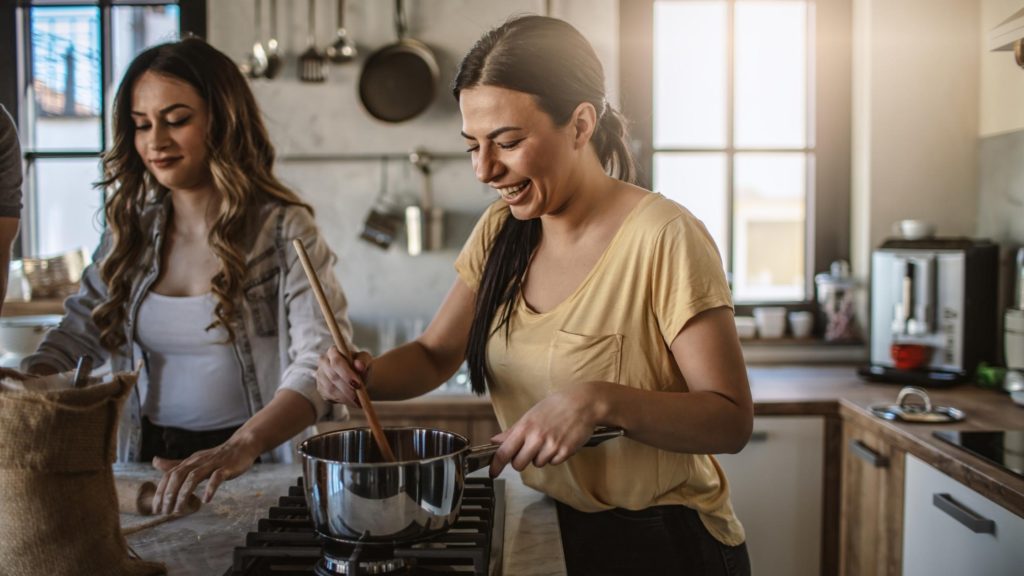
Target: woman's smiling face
<point x="517" y="150"/>
<point x="170" y="120"/>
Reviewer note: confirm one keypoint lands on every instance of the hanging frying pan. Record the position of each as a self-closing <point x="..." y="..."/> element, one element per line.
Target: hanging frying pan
<point x="399" y="81"/>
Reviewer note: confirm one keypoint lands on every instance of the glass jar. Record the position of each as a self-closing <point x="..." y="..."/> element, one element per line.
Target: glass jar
<point x="837" y="301"/>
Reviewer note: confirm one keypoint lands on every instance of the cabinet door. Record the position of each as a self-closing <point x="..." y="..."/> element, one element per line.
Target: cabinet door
<point x="951" y="529"/>
<point x="776" y="487"/>
<point x="871" y="509"/>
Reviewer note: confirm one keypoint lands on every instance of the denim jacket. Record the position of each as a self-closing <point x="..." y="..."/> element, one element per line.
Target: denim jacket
<point x="279" y="330"/>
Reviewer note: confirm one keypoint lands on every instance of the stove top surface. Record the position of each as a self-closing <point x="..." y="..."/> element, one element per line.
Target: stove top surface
<point x="1004" y="448"/>
<point x="285" y="543"/>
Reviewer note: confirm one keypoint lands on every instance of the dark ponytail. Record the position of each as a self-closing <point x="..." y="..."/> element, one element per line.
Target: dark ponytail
<point x="611" y="140"/>
<point x="550" y="60"/>
<point x="500" y="289"/>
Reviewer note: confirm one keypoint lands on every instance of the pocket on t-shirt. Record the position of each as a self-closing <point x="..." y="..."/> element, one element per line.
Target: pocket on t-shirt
<point x="581" y="357"/>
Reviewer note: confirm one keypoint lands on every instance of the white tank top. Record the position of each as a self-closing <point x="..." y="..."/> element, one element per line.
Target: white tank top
<point x="195" y="381"/>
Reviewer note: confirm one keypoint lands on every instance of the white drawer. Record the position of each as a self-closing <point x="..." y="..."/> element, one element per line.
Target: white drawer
<point x="950" y="529"/>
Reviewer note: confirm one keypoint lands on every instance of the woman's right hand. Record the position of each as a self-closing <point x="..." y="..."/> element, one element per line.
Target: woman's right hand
<point x="337" y="380"/>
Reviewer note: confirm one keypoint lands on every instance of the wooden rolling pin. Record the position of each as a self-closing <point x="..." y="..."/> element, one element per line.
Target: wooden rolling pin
<point x="135" y="496"/>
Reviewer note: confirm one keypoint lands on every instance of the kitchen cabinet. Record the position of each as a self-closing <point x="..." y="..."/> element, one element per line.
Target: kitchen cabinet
<point x="776" y="485"/>
<point x="871" y="503"/>
<point x="951" y="529"/>
<point x="465" y="414"/>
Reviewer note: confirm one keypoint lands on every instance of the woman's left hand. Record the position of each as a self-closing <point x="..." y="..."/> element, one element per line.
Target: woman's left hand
<point x="181" y="477"/>
<point x="553" y="430"/>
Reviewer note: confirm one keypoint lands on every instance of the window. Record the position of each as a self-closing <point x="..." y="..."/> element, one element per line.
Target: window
<point x="733" y="119"/>
<point x="70" y="58"/>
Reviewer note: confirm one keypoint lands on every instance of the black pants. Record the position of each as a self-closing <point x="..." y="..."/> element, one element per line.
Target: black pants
<point x="178" y="443"/>
<point x="658" y="541"/>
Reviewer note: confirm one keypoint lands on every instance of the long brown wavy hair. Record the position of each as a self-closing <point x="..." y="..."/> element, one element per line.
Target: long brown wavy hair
<point x="241" y="161"/>
<point x="550" y="60"/>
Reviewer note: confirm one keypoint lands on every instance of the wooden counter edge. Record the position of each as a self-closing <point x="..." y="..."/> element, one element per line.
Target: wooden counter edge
<point x="1001" y="486"/>
<point x="989" y="480"/>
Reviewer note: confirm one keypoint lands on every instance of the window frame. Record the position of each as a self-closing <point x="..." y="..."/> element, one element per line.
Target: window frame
<point x="15" y="64"/>
<point x="829" y="76"/>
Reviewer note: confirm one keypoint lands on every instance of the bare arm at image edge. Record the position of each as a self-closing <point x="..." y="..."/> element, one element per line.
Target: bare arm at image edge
<point x="10" y="193"/>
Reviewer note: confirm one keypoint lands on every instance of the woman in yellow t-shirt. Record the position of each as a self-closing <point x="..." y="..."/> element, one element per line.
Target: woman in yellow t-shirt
<point x="584" y="300"/>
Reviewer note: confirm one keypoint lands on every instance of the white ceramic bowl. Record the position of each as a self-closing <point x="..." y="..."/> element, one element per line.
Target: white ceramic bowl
<point x="915" y="229"/>
<point x="21" y="335"/>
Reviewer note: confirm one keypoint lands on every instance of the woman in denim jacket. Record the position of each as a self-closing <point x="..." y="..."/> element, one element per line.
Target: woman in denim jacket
<point x="196" y="277"/>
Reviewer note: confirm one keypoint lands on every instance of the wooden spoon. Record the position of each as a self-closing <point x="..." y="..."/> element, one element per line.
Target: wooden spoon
<point x="339" y="341"/>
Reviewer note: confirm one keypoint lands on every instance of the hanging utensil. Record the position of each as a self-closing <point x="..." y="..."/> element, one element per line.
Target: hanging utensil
<point x="380" y="227"/>
<point x="312" y="64"/>
<point x="257" y="63"/>
<point x="398" y="81"/>
<point x="273" y="50"/>
<point x="339" y="341"/>
<point x="344" y="48"/>
<point x="424" y="223"/>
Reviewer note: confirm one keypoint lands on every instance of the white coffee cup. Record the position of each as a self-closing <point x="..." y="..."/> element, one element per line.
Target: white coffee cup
<point x="746" y="327"/>
<point x="801" y="323"/>
<point x="771" y="321"/>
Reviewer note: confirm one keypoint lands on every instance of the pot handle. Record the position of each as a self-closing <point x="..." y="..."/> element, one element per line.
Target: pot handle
<point x="480" y="456"/>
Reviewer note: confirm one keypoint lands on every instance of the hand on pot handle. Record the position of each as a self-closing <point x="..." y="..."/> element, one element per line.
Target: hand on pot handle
<point x="553" y="430"/>
<point x="337" y="380"/>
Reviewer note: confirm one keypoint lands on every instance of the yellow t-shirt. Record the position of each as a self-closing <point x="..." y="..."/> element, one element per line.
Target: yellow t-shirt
<point x="660" y="269"/>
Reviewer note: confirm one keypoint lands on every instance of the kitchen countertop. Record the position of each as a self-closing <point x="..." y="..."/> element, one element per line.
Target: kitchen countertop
<point x="835" y="391"/>
<point x="203" y="543"/>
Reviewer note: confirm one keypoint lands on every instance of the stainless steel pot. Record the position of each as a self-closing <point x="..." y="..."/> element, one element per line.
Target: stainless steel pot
<point x="355" y="496"/>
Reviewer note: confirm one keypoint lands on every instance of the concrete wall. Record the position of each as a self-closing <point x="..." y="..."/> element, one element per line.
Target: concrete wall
<point x="1001" y="142"/>
<point x="915" y="110"/>
<point x="1002" y="81"/>
<point x="323" y="135"/>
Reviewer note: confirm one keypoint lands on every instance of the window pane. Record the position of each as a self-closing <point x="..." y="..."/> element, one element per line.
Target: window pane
<point x="690" y="74"/>
<point x="135" y="28"/>
<point x="769" y="224"/>
<point x="771" y="74"/>
<point x="64" y="93"/>
<point x="66" y="206"/>
<point x="698" y="182"/>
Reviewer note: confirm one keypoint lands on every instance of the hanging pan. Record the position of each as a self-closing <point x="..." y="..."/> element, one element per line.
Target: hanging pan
<point x="398" y="81"/>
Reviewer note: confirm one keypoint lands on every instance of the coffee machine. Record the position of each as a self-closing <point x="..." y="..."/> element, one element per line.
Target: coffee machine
<point x="933" y="310"/>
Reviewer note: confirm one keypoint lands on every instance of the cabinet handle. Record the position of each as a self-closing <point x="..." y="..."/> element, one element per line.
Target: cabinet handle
<point x="963" y="514"/>
<point x="862" y="451"/>
<point x="758" y="436"/>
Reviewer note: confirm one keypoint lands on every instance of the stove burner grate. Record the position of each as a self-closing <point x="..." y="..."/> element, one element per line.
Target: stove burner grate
<point x="285" y="543"/>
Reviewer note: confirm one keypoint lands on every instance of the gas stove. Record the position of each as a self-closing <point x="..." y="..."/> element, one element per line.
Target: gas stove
<point x="285" y="543"/>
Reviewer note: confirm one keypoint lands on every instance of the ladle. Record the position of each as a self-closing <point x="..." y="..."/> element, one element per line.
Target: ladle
<point x="273" y="50"/>
<point x="339" y="341"/>
<point x="344" y="48"/>
<point x="257" y="65"/>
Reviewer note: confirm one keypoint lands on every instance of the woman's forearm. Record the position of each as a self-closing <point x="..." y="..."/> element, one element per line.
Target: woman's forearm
<point x="287" y="414"/>
<point x="701" y="422"/>
<point x="408" y="371"/>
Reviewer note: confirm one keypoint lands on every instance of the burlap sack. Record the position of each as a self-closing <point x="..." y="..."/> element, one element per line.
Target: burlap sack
<point x="58" y="506"/>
